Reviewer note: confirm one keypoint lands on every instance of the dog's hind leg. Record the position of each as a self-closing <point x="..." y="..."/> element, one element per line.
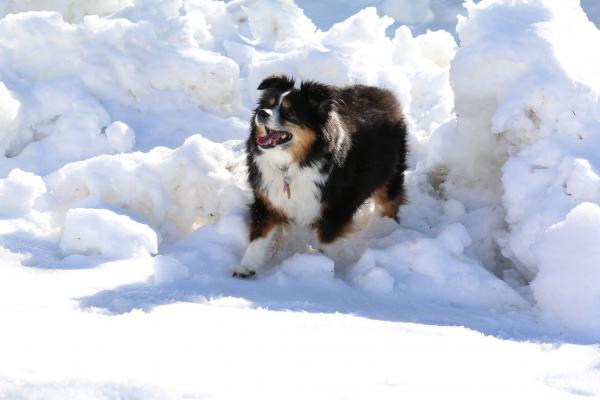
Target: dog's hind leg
<point x="390" y="196"/>
<point x="335" y="223"/>
<point x="265" y="225"/>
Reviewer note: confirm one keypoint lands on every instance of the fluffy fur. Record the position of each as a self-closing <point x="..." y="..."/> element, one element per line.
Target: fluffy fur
<point x="315" y="154"/>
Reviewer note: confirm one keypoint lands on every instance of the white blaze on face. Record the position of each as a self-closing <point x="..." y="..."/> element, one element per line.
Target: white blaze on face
<point x="268" y="111"/>
<point x="273" y="121"/>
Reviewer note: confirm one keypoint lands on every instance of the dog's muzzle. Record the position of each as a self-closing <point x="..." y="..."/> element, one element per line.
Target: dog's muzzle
<point x="273" y="138"/>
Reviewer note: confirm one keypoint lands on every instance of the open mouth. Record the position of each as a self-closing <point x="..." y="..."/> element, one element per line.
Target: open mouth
<point x="273" y="138"/>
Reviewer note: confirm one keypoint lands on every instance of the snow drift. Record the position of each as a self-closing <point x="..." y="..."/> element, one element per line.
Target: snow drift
<point x="503" y="183"/>
<point x="123" y="191"/>
<point x="526" y="98"/>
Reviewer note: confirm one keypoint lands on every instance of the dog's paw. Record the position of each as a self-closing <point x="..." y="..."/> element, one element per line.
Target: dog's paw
<point x="238" y="271"/>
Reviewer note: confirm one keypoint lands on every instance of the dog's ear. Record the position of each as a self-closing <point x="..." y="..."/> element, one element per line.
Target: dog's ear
<point x="320" y="96"/>
<point x="281" y="82"/>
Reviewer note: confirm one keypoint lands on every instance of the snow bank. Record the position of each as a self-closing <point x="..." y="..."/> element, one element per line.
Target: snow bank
<point x="569" y="269"/>
<point x="71" y="10"/>
<point x="176" y="191"/>
<point x="120" y="137"/>
<point x="433" y="268"/>
<point x="358" y="50"/>
<point x="60" y="110"/>
<point x="502" y="134"/>
<point x="529" y="125"/>
<point x="105" y="233"/>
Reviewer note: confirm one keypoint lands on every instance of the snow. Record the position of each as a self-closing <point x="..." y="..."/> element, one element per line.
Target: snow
<point x="18" y="191"/>
<point x="568" y="260"/>
<point x="123" y="203"/>
<point x="120" y="136"/>
<point x="103" y="232"/>
<point x="434" y="268"/>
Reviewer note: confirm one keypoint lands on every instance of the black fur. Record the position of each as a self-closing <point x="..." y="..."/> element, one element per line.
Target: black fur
<point x="360" y="141"/>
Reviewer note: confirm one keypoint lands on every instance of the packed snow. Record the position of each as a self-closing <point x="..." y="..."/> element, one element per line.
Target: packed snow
<point x="123" y="203"/>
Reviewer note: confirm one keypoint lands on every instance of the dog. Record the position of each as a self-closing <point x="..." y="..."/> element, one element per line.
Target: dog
<point x="315" y="154"/>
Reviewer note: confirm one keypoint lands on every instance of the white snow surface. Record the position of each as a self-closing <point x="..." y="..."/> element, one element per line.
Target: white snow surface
<point x="123" y="203"/>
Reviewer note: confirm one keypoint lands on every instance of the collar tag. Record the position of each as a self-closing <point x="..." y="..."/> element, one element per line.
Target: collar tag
<point x="286" y="184"/>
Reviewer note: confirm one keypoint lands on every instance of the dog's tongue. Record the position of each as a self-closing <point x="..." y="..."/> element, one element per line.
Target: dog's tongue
<point x="271" y="138"/>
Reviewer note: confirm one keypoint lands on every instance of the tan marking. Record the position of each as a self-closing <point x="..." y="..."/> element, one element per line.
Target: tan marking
<point x="270" y="224"/>
<point x="388" y="206"/>
<point x="301" y="143"/>
<point x="275" y="219"/>
<point x="260" y="131"/>
<point x="274" y="210"/>
<point x="272" y="101"/>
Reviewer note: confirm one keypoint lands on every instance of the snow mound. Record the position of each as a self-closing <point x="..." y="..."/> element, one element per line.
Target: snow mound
<point x="105" y="233"/>
<point x="123" y="202"/>
<point x="71" y="10"/>
<point x="433" y="268"/>
<point x="569" y="269"/>
<point x="503" y="137"/>
<point x="313" y="267"/>
<point x="176" y="191"/>
<point x="528" y="126"/>
<point x="18" y="193"/>
<point x="107" y="64"/>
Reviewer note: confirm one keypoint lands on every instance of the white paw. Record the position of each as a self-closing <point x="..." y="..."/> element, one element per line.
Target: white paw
<point x="239" y="271"/>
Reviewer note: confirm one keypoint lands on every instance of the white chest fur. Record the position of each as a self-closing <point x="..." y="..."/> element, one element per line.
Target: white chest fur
<point x="304" y="204"/>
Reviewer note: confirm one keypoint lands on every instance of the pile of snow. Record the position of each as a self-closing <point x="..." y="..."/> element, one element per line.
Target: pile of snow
<point x="123" y="187"/>
<point x="60" y="110"/>
<point x="433" y="268"/>
<point x="18" y="192"/>
<point x="526" y="141"/>
<point x="121" y="127"/>
<point x="175" y="191"/>
<point x="71" y="10"/>
<point x="105" y="233"/>
<point x="569" y="258"/>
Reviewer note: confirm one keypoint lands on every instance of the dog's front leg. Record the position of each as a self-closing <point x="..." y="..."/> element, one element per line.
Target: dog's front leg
<point x="265" y="224"/>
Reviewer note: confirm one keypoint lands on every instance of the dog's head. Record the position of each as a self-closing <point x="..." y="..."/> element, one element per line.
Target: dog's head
<point x="291" y="118"/>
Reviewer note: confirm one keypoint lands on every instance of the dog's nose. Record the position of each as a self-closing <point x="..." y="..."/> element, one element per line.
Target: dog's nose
<point x="263" y="114"/>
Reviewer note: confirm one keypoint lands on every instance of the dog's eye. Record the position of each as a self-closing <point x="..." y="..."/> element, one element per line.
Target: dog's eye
<point x="286" y="103"/>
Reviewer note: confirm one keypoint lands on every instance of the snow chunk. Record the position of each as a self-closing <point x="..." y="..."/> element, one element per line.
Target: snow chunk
<point x="120" y="136"/>
<point x="377" y="280"/>
<point x="437" y="46"/>
<point x="314" y="267"/>
<point x="280" y="25"/>
<point x="567" y="284"/>
<point x="18" y="192"/>
<point x="434" y="268"/>
<point x="103" y="232"/>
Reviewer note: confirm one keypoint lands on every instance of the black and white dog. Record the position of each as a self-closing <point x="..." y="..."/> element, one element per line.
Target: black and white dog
<point x="316" y="153"/>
